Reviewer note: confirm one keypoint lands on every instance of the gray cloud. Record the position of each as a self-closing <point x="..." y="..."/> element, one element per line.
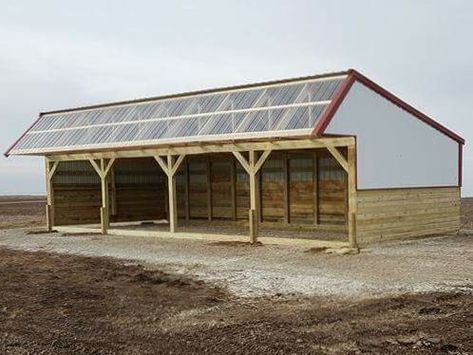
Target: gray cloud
<point x="56" y="55"/>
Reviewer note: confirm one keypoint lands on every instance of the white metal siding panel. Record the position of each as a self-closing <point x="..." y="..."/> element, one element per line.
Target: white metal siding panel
<point x="394" y="148"/>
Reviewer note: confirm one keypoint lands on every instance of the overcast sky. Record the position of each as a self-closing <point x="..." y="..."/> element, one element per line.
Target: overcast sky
<point x="58" y="54"/>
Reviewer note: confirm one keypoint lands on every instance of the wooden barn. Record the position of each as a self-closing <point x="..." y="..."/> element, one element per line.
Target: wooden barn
<point x="328" y="157"/>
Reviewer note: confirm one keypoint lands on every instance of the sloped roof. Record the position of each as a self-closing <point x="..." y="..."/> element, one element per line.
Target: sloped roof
<point x="293" y="107"/>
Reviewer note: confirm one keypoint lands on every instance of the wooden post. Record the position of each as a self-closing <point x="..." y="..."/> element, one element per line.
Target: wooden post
<point x="49" y="220"/>
<point x="170" y="168"/>
<point x="104" y="210"/>
<point x="254" y="218"/>
<point x="349" y="165"/>
<point x="50" y="169"/>
<point x="103" y="170"/>
<point x="49" y="197"/>
<point x="352" y="203"/>
<point x="252" y="166"/>
<point x="172" y="198"/>
<point x="253" y="226"/>
<point x="315" y="178"/>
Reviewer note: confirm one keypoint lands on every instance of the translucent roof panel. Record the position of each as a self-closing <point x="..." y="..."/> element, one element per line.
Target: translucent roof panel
<point x="267" y="110"/>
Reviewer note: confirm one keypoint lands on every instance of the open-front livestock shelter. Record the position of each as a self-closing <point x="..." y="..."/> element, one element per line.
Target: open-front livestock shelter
<point x="326" y="154"/>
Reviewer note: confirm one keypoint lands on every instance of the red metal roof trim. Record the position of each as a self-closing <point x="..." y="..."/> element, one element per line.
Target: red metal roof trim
<point x="334" y="105"/>
<point x="353" y="76"/>
<point x="7" y="153"/>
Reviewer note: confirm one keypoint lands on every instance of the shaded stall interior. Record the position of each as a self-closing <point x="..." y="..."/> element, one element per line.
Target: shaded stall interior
<point x="300" y="194"/>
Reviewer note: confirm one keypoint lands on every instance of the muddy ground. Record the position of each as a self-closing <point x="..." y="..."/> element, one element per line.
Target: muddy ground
<point x="64" y="304"/>
<point x="58" y="304"/>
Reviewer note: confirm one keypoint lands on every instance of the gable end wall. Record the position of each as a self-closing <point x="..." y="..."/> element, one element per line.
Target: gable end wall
<point x="394" y="148"/>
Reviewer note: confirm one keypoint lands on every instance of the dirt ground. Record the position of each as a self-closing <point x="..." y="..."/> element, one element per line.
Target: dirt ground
<point x="22" y="211"/>
<point x="58" y="303"/>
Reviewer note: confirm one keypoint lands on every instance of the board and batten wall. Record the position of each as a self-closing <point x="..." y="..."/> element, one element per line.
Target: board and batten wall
<point x="407" y="171"/>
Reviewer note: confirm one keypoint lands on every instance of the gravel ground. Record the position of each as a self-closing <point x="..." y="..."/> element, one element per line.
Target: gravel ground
<point x="423" y="265"/>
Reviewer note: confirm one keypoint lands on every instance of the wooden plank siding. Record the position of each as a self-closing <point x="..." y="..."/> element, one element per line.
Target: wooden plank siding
<point x="221" y="190"/>
<point x="288" y="184"/>
<point x="77" y="204"/>
<point x="406" y="213"/>
<point x="140" y="186"/>
<point x="139" y="190"/>
<point x="332" y="191"/>
<point x="302" y="177"/>
<point x="198" y="187"/>
<point x="77" y="194"/>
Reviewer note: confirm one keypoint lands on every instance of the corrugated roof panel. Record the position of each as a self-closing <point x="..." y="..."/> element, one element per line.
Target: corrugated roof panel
<point x="280" y="109"/>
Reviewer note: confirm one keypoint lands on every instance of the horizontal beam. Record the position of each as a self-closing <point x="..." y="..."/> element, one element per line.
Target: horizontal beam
<point x="229" y="147"/>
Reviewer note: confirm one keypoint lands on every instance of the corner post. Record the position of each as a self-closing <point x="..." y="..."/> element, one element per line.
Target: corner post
<point x="349" y="165"/>
<point x="352" y="203"/>
<point x="50" y="169"/>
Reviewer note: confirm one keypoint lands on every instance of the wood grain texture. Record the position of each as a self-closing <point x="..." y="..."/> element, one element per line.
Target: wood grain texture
<point x="406" y="213"/>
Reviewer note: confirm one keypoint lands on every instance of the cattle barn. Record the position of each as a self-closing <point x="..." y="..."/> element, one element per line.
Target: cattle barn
<point x="331" y="157"/>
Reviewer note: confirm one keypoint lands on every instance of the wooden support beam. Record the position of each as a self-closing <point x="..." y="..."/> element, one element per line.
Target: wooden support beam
<point x="352" y="200"/>
<point x="172" y="194"/>
<point x="252" y="167"/>
<point x="170" y="168"/>
<point x="261" y="160"/>
<point x="49" y="219"/>
<point x="50" y="170"/>
<point x="339" y="157"/>
<point x="253" y="217"/>
<point x="315" y="179"/>
<point x="103" y="169"/>
<point x="96" y="167"/>
<point x="177" y="164"/>
<point x="108" y="166"/>
<point x="162" y="164"/>
<point x="243" y="161"/>
<point x="202" y="148"/>
<point x="251" y="164"/>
